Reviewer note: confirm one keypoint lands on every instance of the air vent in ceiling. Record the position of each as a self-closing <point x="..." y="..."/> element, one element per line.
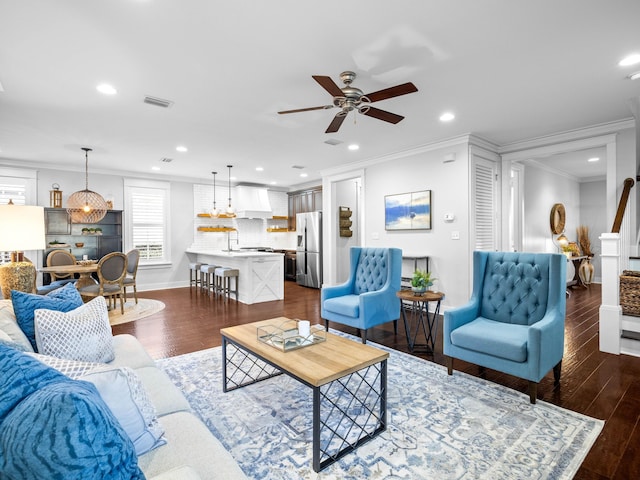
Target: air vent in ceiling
<point x="299" y="167"/>
<point x="158" y="102"/>
<point x="333" y="141"/>
<point x="166" y="160"/>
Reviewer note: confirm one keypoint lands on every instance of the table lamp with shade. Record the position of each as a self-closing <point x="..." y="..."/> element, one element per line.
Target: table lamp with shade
<point x="22" y="229"/>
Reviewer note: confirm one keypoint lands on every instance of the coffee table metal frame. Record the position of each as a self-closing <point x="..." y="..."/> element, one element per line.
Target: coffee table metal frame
<point x="250" y="368"/>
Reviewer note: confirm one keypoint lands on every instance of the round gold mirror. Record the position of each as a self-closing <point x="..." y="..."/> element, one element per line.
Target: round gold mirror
<point x="557" y="219"/>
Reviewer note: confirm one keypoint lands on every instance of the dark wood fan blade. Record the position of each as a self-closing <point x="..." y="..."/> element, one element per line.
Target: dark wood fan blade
<point x="392" y="92"/>
<point x="336" y="123"/>
<point x="324" y="107"/>
<point x="329" y="85"/>
<point x="383" y="115"/>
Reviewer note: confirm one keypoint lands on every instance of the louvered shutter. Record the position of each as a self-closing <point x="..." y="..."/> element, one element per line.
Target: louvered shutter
<point x="147" y="208"/>
<point x="16" y="192"/>
<point x="484" y="204"/>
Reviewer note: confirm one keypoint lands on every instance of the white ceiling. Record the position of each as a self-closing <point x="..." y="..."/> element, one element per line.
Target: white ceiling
<point x="509" y="70"/>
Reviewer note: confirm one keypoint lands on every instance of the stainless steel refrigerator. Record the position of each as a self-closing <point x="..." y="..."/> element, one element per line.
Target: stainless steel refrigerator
<point x="309" y="249"/>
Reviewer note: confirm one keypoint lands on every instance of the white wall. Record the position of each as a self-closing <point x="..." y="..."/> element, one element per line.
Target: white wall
<point x="593" y="214"/>
<point x="347" y="194"/>
<point x="542" y="189"/>
<point x="448" y="182"/>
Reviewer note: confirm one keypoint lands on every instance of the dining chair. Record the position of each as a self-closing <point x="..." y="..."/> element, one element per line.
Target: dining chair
<point x="133" y="257"/>
<point x="58" y="258"/>
<point x="112" y="269"/>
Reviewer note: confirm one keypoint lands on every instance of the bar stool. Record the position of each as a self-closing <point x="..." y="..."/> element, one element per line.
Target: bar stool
<point x="207" y="278"/>
<point x="194" y="278"/>
<point x="223" y="276"/>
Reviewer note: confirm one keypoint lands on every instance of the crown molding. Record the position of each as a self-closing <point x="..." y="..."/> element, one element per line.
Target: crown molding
<point x="569" y="136"/>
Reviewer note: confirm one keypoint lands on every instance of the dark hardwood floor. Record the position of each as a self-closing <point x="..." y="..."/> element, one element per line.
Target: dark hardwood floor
<point x="597" y="384"/>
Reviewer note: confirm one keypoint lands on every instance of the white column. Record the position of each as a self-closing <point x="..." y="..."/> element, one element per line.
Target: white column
<point x="610" y="311"/>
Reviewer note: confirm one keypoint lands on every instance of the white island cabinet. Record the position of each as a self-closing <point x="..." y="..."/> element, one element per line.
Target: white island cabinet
<point x="261" y="276"/>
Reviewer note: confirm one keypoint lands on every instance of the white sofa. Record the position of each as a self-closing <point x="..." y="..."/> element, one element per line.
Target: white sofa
<point x="191" y="451"/>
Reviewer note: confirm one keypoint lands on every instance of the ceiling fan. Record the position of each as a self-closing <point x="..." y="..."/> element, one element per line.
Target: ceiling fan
<point x="350" y="98"/>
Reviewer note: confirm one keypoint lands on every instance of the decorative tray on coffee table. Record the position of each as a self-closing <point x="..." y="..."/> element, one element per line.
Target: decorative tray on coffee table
<point x="286" y="336"/>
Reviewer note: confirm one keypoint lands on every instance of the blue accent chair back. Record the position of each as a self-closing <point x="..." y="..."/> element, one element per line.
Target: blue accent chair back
<point x="368" y="298"/>
<point x="514" y="321"/>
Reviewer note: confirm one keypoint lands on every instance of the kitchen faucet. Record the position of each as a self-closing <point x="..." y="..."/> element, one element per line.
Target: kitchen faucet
<point x="237" y="240"/>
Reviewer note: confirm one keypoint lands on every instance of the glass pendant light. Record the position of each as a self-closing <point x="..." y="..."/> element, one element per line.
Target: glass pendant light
<point x="230" y="211"/>
<point x="215" y="213"/>
<point x="86" y="206"/>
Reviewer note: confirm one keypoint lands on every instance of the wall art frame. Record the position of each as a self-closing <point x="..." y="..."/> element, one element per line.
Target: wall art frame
<point x="408" y="211"/>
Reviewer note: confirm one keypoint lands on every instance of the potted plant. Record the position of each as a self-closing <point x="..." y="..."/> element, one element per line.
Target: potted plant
<point x="420" y="281"/>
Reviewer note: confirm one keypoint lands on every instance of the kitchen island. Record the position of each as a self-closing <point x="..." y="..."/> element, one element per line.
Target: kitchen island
<point x="261" y="276"/>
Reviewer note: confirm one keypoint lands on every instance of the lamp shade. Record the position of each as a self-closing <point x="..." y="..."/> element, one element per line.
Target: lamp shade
<point x="86" y="206"/>
<point x="22" y="228"/>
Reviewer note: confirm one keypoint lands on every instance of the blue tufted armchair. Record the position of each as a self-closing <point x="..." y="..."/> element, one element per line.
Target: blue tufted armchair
<point x="368" y="298"/>
<point x="514" y="322"/>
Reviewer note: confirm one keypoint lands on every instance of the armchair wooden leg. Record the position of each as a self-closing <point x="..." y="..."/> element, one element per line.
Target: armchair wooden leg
<point x="556" y="373"/>
<point x="449" y="363"/>
<point x="533" y="391"/>
<point x="326" y="325"/>
<point x="395" y="327"/>
<point x="363" y="335"/>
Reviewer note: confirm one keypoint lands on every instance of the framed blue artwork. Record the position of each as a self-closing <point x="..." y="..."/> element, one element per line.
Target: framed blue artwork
<point x="408" y="211"/>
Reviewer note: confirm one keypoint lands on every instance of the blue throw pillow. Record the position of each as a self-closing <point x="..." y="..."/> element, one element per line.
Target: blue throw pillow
<point x="65" y="430"/>
<point x="20" y="376"/>
<point x="63" y="299"/>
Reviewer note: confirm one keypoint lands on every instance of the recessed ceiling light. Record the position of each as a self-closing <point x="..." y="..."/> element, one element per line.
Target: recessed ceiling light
<point x="594" y="159"/>
<point x="303" y="175"/>
<point x="259" y="169"/>
<point x="447" y="117"/>
<point x="630" y="60"/>
<point x="232" y="178"/>
<point x="106" y="89"/>
<point x="273" y="183"/>
<point x="181" y="148"/>
<point x="155" y="168"/>
<point x="634" y="76"/>
<point x="353" y="146"/>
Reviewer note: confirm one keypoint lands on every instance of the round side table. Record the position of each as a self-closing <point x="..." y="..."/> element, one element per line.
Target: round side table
<point x="417" y="305"/>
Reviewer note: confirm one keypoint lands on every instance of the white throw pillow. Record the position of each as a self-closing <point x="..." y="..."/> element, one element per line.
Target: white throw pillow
<point x="125" y="395"/>
<point x="73" y="369"/>
<point x="81" y="334"/>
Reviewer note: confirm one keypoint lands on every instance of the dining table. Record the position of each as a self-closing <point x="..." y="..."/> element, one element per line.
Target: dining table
<point x="84" y="272"/>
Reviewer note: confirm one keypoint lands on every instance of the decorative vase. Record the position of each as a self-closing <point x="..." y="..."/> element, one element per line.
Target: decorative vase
<point x="586" y="271"/>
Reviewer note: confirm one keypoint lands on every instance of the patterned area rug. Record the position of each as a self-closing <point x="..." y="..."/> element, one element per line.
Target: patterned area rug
<point x="133" y="311"/>
<point x="439" y="426"/>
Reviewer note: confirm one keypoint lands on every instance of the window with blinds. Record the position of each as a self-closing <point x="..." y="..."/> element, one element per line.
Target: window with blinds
<point x="12" y="192"/>
<point x="147" y="205"/>
<point x="16" y="193"/>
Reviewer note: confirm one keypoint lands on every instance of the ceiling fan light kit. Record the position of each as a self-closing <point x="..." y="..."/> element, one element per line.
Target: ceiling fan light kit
<point x="349" y="98"/>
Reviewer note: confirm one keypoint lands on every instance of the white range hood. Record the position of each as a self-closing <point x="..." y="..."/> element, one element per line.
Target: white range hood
<point x="252" y="202"/>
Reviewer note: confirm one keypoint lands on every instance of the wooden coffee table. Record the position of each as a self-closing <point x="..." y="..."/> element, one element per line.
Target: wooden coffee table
<point x="348" y="379"/>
